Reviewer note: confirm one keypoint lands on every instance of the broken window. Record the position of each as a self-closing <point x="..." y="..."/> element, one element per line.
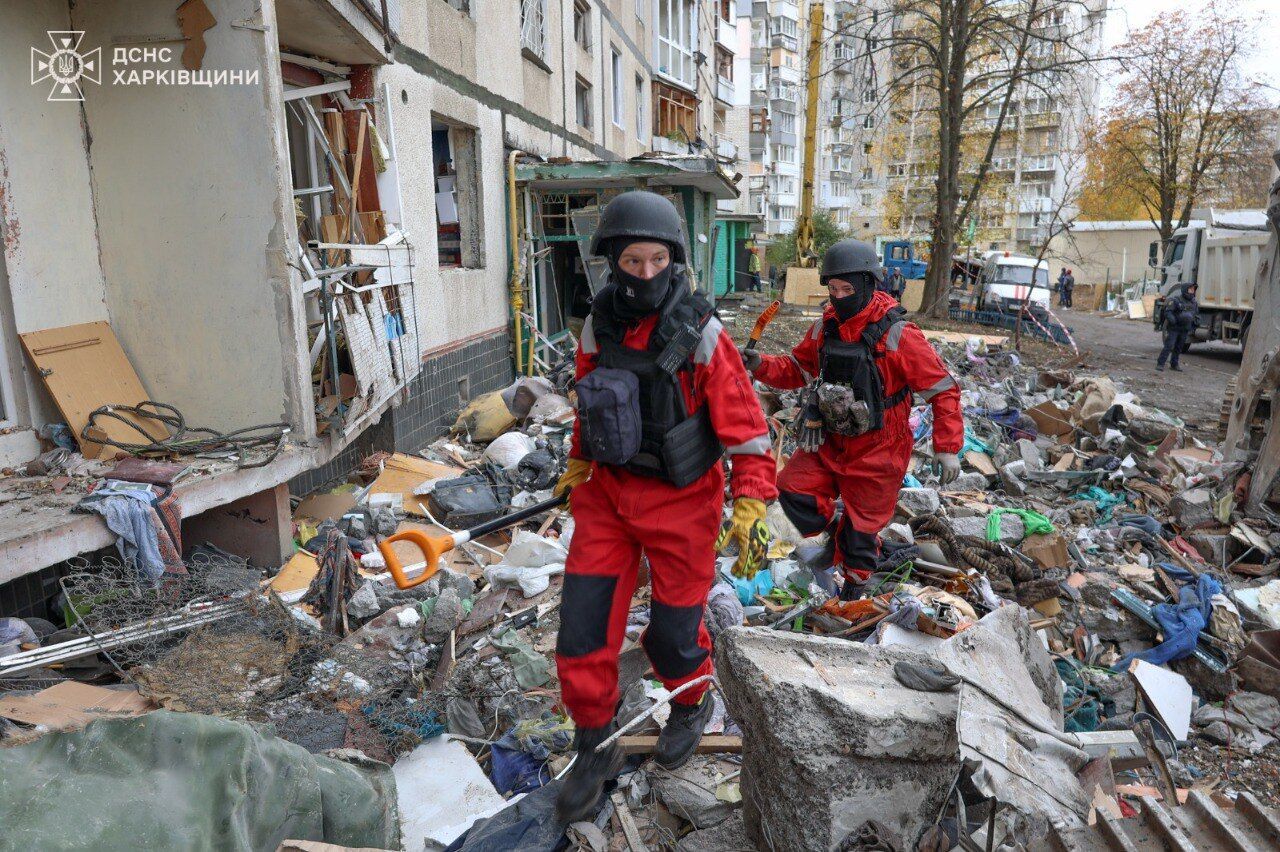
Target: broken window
<point x="675" y="113"/>
<point x="582" y="24"/>
<point x="463" y="6"/>
<point x="533" y="27"/>
<point x="459" y="232"/>
<point x="582" y="103"/>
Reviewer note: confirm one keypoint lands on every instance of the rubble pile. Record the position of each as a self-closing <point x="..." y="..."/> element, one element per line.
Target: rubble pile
<point x="1085" y="621"/>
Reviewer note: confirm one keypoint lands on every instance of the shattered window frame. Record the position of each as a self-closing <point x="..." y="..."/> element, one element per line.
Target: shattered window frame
<point x="533" y="27"/>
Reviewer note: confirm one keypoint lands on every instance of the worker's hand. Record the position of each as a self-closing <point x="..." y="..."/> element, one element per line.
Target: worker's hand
<point x="750" y="358"/>
<point x="748" y="528"/>
<point x="578" y="472"/>
<point x="948" y="466"/>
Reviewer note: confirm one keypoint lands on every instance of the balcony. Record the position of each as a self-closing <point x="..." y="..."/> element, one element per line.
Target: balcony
<point x="726" y="149"/>
<point x="724" y="91"/>
<point x="787" y="75"/>
<point x="1039" y="163"/>
<point x="784" y="41"/>
<point x="663" y="145"/>
<point x="1035" y="204"/>
<point x="727" y="35"/>
<point x="843" y="53"/>
<point x="1043" y="119"/>
<point x="786" y="10"/>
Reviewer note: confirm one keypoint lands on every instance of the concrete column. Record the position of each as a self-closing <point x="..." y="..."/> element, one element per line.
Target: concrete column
<point x="258" y="527"/>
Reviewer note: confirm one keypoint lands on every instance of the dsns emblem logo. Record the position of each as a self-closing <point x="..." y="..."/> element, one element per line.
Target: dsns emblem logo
<point x="66" y="66"/>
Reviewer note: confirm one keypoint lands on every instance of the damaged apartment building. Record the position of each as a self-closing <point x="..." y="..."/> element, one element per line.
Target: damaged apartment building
<point x="313" y="228"/>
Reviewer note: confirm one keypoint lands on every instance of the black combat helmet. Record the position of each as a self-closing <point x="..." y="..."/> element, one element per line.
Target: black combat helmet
<point x="640" y="215"/>
<point x="849" y="256"/>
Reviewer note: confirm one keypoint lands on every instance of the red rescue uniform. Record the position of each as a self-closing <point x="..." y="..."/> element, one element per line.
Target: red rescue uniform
<point x="866" y="470"/>
<point x="619" y="514"/>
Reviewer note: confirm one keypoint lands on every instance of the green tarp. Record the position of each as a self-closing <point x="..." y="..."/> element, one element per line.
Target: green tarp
<point x="185" y="781"/>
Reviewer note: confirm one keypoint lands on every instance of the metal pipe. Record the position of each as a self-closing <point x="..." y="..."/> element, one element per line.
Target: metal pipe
<point x="513" y="258"/>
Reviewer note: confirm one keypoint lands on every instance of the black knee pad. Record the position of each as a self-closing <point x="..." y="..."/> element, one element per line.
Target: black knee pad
<point x="586" y="602"/>
<point x="671" y="639"/>
<point x="802" y="511"/>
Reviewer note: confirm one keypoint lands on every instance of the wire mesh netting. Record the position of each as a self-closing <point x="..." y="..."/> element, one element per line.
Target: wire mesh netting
<point x="211" y="641"/>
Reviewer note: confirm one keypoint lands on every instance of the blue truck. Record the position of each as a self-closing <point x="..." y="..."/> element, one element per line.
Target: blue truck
<point x="901" y="255"/>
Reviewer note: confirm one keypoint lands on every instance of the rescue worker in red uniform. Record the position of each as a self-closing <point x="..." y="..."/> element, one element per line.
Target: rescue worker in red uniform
<point x="861" y="362"/>
<point x="662" y="396"/>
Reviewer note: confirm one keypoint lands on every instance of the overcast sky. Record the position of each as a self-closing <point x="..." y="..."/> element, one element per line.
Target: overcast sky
<point x="1264" y="63"/>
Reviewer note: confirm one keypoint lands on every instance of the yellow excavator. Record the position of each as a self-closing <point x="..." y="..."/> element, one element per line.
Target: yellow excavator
<point x="802" y="278"/>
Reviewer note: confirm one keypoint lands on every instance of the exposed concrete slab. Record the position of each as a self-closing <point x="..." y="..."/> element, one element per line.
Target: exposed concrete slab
<point x="830" y="746"/>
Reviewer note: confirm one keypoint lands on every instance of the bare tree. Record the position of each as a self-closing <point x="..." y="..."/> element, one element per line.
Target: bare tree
<point x="969" y="67"/>
<point x="1183" y="112"/>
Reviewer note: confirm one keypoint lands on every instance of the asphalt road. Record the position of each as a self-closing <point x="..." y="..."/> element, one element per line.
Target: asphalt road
<point x="1126" y="350"/>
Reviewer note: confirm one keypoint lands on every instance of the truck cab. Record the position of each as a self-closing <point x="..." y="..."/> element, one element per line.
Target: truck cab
<point x="901" y="255"/>
<point x="1009" y="281"/>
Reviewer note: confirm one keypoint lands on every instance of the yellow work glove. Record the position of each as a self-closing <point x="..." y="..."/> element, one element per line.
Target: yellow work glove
<point x="747" y="527"/>
<point x="578" y="471"/>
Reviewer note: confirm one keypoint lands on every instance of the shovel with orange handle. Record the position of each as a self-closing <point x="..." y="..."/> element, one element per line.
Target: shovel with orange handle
<point x="766" y="317"/>
<point x="434" y="546"/>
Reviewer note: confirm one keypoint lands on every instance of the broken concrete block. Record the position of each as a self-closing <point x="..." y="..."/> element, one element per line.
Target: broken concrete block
<point x="1012" y="529"/>
<point x="919" y="501"/>
<point x="1212" y="547"/>
<point x="967" y="482"/>
<point x="728" y="836"/>
<point x="690" y="794"/>
<point x="1029" y="453"/>
<point x="364" y="603"/>
<point x="446" y="615"/>
<point x="1193" y="508"/>
<point x="825" y="749"/>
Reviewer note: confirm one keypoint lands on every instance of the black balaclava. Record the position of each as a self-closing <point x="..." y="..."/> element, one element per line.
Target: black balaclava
<point x="637" y="297"/>
<point x="850" y="306"/>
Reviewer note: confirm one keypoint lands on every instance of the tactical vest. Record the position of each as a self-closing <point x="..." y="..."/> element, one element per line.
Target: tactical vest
<point x="854" y="364"/>
<point x="674" y="445"/>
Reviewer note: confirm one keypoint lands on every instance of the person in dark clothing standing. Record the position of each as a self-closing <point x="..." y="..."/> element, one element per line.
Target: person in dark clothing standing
<point x="1180" y="315"/>
<point x="1067" y="283"/>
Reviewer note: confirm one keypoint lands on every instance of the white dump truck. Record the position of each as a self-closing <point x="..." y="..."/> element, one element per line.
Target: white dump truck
<point x="1220" y="254"/>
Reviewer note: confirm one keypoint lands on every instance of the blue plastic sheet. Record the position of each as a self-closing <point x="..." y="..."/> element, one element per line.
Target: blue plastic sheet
<point x="1102" y="498"/>
<point x="748" y="589"/>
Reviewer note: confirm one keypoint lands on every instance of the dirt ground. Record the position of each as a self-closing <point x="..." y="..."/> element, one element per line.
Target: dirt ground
<point x="1122" y="349"/>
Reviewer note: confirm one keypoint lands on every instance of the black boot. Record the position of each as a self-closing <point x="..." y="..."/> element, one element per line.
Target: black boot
<point x="585" y="782"/>
<point x="682" y="733"/>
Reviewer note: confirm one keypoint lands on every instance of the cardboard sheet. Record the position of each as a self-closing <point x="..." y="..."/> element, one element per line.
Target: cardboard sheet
<point x="1051" y="420"/>
<point x="296" y="574"/>
<point x="934" y="336"/>
<point x="71" y="704"/>
<point x="84" y="368"/>
<point x="402" y="473"/>
<point x="321" y="507"/>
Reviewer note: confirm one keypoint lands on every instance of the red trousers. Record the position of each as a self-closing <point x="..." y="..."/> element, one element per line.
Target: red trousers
<point x="866" y="473"/>
<point x="617" y="515"/>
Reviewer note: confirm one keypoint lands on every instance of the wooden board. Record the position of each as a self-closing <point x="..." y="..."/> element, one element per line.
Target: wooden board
<point x="296" y="574"/>
<point x="71" y="704"/>
<point x="710" y="744"/>
<point x="84" y="367"/>
<point x="401" y="474"/>
<point x="913" y="295"/>
<point x="804" y="287"/>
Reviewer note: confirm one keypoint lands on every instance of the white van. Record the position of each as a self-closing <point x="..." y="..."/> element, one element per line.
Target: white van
<point x="1008" y="280"/>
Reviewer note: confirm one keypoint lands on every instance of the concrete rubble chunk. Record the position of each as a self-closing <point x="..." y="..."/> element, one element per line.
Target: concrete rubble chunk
<point x="822" y="756"/>
<point x="970" y="481"/>
<point x="364" y="603"/>
<point x="1029" y="453"/>
<point x="728" y="836"/>
<point x="1011" y="477"/>
<point x="832" y="739"/>
<point x="919" y="501"/>
<point x="690" y="794"/>
<point x="1212" y="547"/>
<point x="1193" y="508"/>
<point x="1012" y="529"/>
<point x="445" y="616"/>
